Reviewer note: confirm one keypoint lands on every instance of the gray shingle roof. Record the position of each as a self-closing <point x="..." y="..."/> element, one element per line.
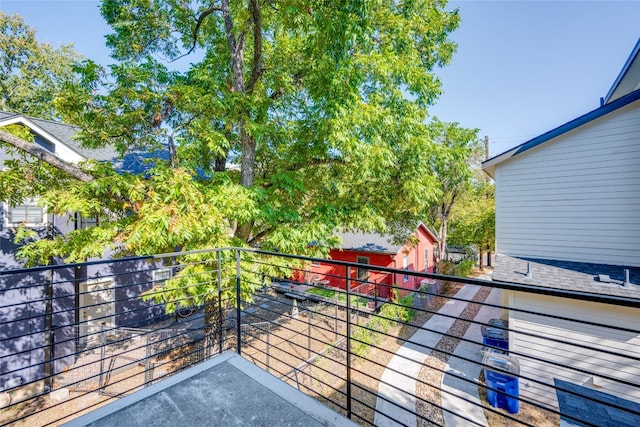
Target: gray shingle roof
<point x="64" y="133"/>
<point x="576" y="276"/>
<point x="133" y="162"/>
<point x="368" y="242"/>
<point x="578" y="403"/>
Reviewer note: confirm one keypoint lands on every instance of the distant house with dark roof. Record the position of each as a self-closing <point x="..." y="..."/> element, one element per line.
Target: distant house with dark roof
<point x="86" y="299"/>
<point x="568" y="217"/>
<point x="377" y="250"/>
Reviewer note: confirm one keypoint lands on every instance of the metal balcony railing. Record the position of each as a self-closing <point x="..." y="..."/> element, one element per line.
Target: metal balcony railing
<point x="407" y="348"/>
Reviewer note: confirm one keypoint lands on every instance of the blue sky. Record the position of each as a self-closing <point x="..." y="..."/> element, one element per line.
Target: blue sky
<point x="522" y="68"/>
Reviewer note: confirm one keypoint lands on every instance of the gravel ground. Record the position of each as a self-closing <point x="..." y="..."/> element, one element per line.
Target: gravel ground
<point x="430" y="377"/>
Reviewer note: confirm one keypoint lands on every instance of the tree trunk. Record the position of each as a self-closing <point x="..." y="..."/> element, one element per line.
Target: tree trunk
<point x="247" y="142"/>
<point x="442" y="243"/>
<point x="480" y="261"/>
<point x="248" y="165"/>
<point x="213" y="322"/>
<point x="489" y="258"/>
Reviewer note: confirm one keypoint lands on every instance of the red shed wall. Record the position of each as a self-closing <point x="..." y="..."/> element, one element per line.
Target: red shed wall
<point x="416" y="262"/>
<point x="336" y="274"/>
<point x="416" y="259"/>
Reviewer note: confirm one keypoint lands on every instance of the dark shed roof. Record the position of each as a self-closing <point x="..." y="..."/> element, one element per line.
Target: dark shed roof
<point x="368" y="242"/>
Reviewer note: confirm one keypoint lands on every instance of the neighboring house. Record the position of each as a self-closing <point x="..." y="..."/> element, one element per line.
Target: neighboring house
<point x="568" y="217"/>
<point x="84" y="299"/>
<point x="375" y="250"/>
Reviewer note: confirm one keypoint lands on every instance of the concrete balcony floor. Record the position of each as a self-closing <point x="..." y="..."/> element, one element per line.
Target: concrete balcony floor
<point x="223" y="391"/>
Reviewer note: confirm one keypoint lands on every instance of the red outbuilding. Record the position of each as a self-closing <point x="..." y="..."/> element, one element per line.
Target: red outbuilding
<point x="376" y="250"/>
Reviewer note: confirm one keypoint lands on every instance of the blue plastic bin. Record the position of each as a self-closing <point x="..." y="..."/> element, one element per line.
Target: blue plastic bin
<point x="496" y="338"/>
<point x="501" y="377"/>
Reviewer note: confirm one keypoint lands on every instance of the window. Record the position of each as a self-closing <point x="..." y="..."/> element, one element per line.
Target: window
<point x="27" y="213"/>
<point x="405" y="265"/>
<point x="84" y="222"/>
<point x="426" y="260"/>
<point x="362" y="273"/>
<point x="162" y="274"/>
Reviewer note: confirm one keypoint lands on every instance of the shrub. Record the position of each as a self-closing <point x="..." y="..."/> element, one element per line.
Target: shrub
<point x="464" y="267"/>
<point x="389" y="315"/>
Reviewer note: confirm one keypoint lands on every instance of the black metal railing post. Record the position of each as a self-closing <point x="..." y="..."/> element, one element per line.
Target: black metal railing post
<point x="103" y="343"/>
<point x="348" y="332"/>
<point x="238" y="309"/>
<point x="221" y="313"/>
<point x="48" y="328"/>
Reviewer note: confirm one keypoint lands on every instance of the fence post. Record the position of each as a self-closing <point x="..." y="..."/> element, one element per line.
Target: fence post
<point x="375" y="296"/>
<point x="48" y="329"/>
<point x="335" y="317"/>
<point x="348" y="308"/>
<point x="148" y="374"/>
<point x="268" y="345"/>
<point x="238" y="310"/>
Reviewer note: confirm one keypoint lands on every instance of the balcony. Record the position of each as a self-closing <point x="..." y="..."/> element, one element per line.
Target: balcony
<point x="81" y="343"/>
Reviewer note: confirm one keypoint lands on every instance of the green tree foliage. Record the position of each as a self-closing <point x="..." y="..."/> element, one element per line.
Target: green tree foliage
<point x="317" y="109"/>
<point x="294" y="118"/>
<point x="31" y="73"/>
<point x="474" y="222"/>
<point x="452" y="163"/>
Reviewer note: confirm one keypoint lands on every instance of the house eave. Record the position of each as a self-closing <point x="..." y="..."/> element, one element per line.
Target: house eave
<point x="368" y="251"/>
<point x="490" y="164"/>
<point x="629" y="78"/>
<point x="20" y="119"/>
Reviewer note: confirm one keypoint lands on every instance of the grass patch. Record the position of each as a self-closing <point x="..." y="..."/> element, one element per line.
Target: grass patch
<point x="342" y="297"/>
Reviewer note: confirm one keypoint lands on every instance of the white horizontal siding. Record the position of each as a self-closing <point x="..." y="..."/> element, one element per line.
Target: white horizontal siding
<point x="541" y="342"/>
<point x="577" y="197"/>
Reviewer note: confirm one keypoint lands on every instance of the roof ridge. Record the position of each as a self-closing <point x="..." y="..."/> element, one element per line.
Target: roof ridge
<point x="572" y="124"/>
<point x="13" y="114"/>
<point x="52" y="122"/>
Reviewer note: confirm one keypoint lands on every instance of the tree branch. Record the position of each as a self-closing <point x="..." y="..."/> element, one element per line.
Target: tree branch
<point x="201" y="19"/>
<point x="256" y="67"/>
<point x="260" y="236"/>
<point x="45" y="156"/>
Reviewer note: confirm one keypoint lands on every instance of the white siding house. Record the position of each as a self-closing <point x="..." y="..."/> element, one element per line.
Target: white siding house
<point x="567" y="344"/>
<point x="568" y="217"/>
<point x="577" y="196"/>
<point x="27" y="348"/>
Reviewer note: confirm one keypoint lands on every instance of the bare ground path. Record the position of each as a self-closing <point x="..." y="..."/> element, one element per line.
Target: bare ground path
<point x="396" y="403"/>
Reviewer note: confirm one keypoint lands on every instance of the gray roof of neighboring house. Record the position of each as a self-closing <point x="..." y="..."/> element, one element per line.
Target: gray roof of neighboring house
<point x="64" y="133"/>
<point x="575" y="276"/>
<point x="368" y="242"/>
<point x="582" y="406"/>
<point x="133" y="162"/>
<point x="378" y="243"/>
